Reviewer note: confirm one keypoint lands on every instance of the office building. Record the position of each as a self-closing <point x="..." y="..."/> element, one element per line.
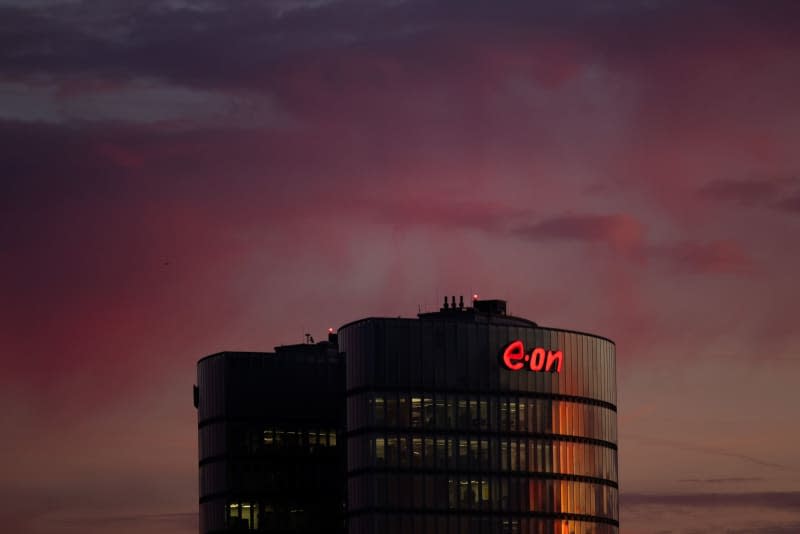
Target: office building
<point x="270" y="440"/>
<point x="464" y="420"/>
<point x="471" y="420"/>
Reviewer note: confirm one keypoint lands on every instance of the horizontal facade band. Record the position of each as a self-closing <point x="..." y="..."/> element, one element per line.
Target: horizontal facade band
<point x="483" y="513"/>
<point x="274" y="495"/>
<point x="412" y="390"/>
<point x="483" y="473"/>
<point x="267" y="419"/>
<point x="484" y="322"/>
<point x="416" y="431"/>
<point x="278" y="458"/>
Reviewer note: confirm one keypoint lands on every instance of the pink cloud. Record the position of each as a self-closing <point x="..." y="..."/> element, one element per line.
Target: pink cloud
<point x="716" y="257"/>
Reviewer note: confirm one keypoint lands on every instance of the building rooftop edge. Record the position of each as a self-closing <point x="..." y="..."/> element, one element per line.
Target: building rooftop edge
<point x="224" y="352"/>
<point x="513" y="317"/>
<point x="307" y="347"/>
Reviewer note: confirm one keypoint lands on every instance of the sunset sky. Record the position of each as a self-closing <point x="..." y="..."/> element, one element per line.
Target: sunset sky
<point x="179" y="177"/>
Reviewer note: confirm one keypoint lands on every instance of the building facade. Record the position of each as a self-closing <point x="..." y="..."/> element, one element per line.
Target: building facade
<point x="472" y="421"/>
<point x="270" y="440"/>
<point x="467" y="420"/>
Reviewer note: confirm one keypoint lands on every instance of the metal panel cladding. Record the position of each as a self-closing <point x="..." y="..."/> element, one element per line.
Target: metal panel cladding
<point x="443" y="437"/>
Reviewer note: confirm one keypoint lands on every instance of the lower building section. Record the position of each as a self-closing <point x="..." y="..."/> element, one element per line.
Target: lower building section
<point x="271" y="454"/>
<point x="480" y="494"/>
<point x="460" y="523"/>
<point x="267" y="515"/>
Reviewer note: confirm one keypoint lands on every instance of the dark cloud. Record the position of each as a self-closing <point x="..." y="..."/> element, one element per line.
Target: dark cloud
<point x="722" y="480"/>
<point x="743" y="192"/>
<point x="779" y="193"/>
<point x="259" y="44"/>
<point x="177" y="522"/>
<point x="703" y="449"/>
<point x="789" y="528"/>
<point x="775" y="500"/>
<point x="621" y="232"/>
<point x="791" y="203"/>
<point x="716" y="257"/>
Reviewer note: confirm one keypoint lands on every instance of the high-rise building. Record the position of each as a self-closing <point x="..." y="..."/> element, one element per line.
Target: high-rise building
<point x="270" y="440"/>
<point x="471" y="420"/>
<point x="465" y="420"/>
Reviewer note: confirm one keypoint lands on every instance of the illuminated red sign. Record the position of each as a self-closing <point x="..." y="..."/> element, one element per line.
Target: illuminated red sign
<point x="538" y="359"/>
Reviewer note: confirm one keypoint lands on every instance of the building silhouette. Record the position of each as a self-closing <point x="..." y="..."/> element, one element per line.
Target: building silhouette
<point x="270" y="440"/>
<point x="465" y="420"/>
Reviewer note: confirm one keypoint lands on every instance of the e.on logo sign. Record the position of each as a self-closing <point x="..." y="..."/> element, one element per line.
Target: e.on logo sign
<point x="515" y="358"/>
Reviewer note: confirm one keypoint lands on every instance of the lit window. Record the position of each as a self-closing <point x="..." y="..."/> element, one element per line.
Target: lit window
<point x="416" y="451"/>
<point x="416" y="412"/>
<point x="379" y="411"/>
<point x="441" y="413"/>
<point x="429" y="454"/>
<point x="441" y="453"/>
<point x="512" y="415"/>
<point x="247" y="515"/>
<point x="380" y="452"/>
<point x="474" y="415"/>
<point x="514" y="455"/>
<point x="463" y="414"/>
<point x="463" y="450"/>
<point x="427" y="408"/>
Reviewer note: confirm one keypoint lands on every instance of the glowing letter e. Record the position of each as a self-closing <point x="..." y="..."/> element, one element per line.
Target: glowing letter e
<point x="513" y="354"/>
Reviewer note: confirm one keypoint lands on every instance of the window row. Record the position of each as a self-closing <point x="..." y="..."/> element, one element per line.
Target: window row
<point x="470" y="413"/>
<point x="471" y="453"/>
<point x="475" y="493"/>
<point x="270" y="516"/>
<point x="277" y="438"/>
<point x="241" y="438"/>
<point x="456" y="524"/>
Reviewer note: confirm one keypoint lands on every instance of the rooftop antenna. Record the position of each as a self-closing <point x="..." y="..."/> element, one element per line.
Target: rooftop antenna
<point x="445" y="303"/>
